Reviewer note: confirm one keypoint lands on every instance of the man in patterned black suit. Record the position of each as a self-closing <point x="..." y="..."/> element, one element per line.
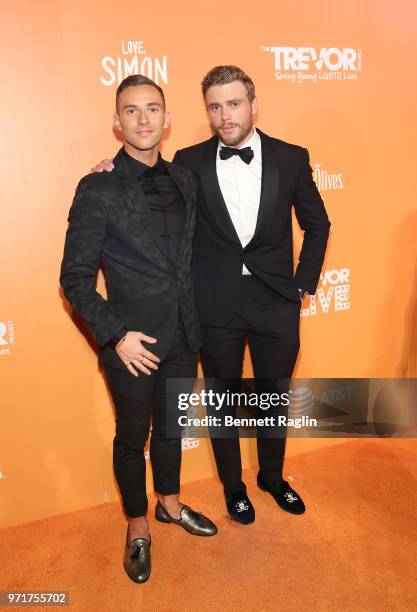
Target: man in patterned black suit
<point x="138" y="222"/>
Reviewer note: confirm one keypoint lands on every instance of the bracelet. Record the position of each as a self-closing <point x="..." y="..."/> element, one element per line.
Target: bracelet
<point x="120" y="342"/>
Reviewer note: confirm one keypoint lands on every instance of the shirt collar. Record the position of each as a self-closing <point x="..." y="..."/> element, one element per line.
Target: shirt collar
<point x="139" y="168"/>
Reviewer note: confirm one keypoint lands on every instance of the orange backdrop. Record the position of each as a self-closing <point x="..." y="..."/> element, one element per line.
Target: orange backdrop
<point x="336" y="77"/>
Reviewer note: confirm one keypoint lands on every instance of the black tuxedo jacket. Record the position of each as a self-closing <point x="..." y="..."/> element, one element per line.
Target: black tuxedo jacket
<point x="217" y="252"/>
<point x="146" y="291"/>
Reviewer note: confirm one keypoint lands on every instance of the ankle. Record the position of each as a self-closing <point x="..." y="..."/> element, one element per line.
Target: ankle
<point x="138" y="528"/>
<point x="171" y="504"/>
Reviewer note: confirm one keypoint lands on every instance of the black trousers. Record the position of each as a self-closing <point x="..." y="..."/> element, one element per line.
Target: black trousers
<point x="270" y="325"/>
<point x="137" y="401"/>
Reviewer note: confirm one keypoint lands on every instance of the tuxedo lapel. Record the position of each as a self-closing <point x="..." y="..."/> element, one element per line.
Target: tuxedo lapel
<point x="269" y="187"/>
<point x="213" y="194"/>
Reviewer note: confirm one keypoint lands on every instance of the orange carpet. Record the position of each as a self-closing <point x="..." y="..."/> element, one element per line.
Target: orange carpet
<point x="354" y="549"/>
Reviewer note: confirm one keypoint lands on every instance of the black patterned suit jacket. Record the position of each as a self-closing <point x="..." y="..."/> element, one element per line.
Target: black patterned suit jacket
<point x="146" y="291"/>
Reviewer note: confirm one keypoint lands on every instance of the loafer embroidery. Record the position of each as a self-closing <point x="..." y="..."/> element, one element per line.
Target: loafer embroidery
<point x="241" y="506"/>
<point x="290" y="497"/>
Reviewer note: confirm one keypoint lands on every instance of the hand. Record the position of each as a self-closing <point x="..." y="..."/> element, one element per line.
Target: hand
<point x="135" y="356"/>
<point x="105" y="164"/>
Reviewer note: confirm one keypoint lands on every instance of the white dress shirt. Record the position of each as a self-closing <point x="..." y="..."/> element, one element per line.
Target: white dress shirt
<point x="240" y="184"/>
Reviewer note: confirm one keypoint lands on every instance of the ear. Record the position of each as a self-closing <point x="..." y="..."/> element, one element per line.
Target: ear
<point x="254" y="105"/>
<point x="167" y="120"/>
<point x="116" y="122"/>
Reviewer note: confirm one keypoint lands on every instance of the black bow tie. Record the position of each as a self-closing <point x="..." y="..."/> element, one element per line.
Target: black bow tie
<point x="245" y="154"/>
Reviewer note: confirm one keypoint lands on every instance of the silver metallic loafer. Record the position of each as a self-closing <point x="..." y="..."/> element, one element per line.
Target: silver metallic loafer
<point x="137" y="558"/>
<point x="193" y="522"/>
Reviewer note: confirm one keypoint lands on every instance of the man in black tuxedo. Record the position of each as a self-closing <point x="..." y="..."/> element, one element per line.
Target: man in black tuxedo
<point x="243" y="269"/>
<point x="138" y="222"/>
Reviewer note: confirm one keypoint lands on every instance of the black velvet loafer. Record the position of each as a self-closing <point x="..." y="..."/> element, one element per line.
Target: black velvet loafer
<point x="286" y="498"/>
<point x="240" y="507"/>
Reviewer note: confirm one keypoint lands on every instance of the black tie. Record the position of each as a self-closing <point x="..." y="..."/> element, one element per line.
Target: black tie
<point x="245" y="154"/>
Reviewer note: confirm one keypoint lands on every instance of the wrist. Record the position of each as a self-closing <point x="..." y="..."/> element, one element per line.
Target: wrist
<point x="119" y="344"/>
<point x="118" y="336"/>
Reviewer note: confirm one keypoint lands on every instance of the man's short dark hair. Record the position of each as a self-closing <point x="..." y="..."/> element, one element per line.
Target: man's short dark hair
<point x="138" y="79"/>
<point x="220" y="75"/>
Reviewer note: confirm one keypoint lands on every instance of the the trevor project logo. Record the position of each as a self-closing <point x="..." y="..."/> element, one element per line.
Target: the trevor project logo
<point x="333" y="293"/>
<point x="300" y="64"/>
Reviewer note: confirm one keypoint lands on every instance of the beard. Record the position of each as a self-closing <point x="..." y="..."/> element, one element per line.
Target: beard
<point x="233" y="140"/>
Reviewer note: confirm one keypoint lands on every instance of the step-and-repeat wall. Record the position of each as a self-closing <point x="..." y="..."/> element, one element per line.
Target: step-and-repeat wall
<point x="335" y="77"/>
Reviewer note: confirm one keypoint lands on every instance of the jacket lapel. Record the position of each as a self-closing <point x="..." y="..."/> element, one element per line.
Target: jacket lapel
<point x="269" y="187"/>
<point x="213" y="194"/>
